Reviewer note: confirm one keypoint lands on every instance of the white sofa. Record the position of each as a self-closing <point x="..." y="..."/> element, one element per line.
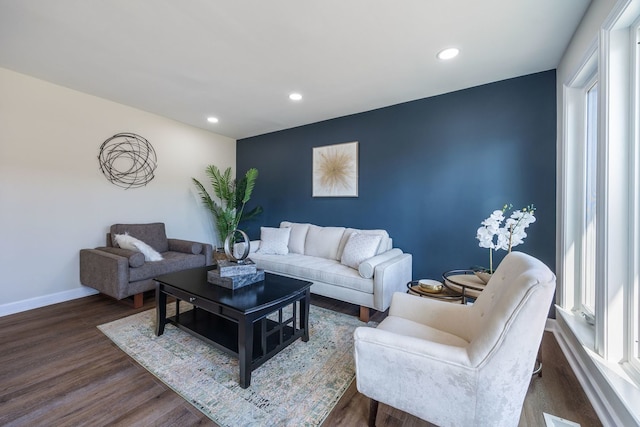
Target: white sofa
<point x="357" y="266"/>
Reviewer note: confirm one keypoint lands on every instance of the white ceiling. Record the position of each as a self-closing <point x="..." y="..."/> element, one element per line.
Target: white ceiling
<point x="239" y="60"/>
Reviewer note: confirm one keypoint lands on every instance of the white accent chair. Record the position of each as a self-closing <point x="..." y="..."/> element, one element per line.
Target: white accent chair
<point x="459" y="365"/>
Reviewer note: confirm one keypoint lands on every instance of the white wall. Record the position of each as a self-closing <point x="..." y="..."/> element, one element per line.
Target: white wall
<point x="54" y="200"/>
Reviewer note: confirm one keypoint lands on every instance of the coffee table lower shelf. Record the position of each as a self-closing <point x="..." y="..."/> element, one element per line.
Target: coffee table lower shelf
<point x="269" y="336"/>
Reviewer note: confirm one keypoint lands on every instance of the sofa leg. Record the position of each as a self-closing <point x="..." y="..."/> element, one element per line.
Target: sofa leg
<point x="373" y="412"/>
<point x="138" y="300"/>
<point x="364" y="313"/>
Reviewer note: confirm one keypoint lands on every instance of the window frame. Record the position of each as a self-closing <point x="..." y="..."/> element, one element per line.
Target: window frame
<point x="572" y="195"/>
<point x="633" y="337"/>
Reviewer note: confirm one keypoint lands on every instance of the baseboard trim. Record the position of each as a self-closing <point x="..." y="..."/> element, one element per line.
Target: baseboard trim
<point x="44" y="300"/>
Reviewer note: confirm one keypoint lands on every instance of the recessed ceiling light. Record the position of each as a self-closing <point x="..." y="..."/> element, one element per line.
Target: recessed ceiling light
<point x="295" y="97"/>
<point x="212" y="119"/>
<point x="448" y="53"/>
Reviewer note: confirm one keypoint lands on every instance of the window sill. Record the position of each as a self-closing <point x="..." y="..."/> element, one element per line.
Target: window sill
<point x="614" y="394"/>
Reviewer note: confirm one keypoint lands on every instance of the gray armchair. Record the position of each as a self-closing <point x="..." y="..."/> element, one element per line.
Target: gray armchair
<point x="122" y="273"/>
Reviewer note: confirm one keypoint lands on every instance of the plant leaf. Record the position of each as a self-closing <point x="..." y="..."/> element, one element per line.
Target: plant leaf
<point x="232" y="195"/>
<point x="251" y="176"/>
<point x="204" y="195"/>
<point x="252" y="213"/>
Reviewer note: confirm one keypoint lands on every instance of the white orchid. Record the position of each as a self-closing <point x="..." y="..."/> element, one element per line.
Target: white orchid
<point x="511" y="234"/>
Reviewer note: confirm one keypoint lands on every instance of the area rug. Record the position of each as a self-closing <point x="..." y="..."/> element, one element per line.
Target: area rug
<point x="297" y="387"/>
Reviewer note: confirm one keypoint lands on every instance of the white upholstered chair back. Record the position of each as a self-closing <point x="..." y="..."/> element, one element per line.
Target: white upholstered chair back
<point x="477" y="358"/>
<point x="520" y="280"/>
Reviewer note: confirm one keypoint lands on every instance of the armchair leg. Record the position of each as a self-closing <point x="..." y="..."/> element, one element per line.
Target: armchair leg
<point x="364" y="313"/>
<point x="537" y="369"/>
<point x="138" y="300"/>
<point x="373" y="412"/>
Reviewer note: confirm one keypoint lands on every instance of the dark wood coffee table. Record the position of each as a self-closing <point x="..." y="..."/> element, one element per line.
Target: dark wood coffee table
<point x="235" y="321"/>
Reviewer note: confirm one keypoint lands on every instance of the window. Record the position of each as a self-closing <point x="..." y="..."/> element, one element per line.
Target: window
<point x="599" y="215"/>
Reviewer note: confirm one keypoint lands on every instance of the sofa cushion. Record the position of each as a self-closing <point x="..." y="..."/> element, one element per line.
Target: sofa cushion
<point x="152" y="234"/>
<point x="359" y="248"/>
<point x="126" y="241"/>
<point x="323" y="242"/>
<point x="385" y="242"/>
<point x="274" y="241"/>
<point x="297" y="237"/>
<point x="314" y="269"/>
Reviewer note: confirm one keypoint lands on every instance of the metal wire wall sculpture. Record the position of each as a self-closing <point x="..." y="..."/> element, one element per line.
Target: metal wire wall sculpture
<point x="127" y="160"/>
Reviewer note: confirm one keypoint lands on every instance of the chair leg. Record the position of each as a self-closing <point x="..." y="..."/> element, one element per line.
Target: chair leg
<point x="373" y="412"/>
<point x="364" y="313"/>
<point x="538" y="368"/>
<point x="537" y="365"/>
<point x="138" y="300"/>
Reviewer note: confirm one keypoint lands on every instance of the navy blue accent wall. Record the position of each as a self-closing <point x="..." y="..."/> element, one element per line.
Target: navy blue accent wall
<point x="429" y="171"/>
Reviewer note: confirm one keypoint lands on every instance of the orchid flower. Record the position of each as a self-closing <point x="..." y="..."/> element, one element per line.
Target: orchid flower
<point x="511" y="234"/>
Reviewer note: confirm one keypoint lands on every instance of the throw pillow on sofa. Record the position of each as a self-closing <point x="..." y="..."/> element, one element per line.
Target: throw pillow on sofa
<point x="274" y="241"/>
<point x="125" y="241"/>
<point x="359" y="248"/>
<point x="298" y="236"/>
<point x="323" y="242"/>
<point x="385" y="242"/>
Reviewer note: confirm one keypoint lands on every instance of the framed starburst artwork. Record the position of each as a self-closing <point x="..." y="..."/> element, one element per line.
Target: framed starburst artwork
<point x="335" y="170"/>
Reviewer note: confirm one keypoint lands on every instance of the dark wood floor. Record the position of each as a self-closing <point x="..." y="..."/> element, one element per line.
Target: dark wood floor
<point x="58" y="369"/>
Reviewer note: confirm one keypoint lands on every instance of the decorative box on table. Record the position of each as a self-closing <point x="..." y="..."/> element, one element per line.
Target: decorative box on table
<point x="233" y="275"/>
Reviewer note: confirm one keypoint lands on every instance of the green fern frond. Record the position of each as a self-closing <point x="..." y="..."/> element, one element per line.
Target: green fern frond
<point x="204" y="195"/>
<point x="251" y="214"/>
<point x="232" y="195"/>
<point x="251" y="177"/>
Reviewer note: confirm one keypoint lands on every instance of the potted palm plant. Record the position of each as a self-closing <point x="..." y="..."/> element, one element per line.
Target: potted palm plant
<point x="232" y="196"/>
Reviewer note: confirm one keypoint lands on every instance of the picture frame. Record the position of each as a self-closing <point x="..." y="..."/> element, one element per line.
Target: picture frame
<point x="335" y="170"/>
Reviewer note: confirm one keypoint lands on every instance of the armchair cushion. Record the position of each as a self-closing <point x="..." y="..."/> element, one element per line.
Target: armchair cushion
<point x="410" y="328"/>
<point x="153" y="234"/>
<point x="173" y="261"/>
<point x="136" y="258"/>
<point x="129" y="242"/>
<point x="185" y="246"/>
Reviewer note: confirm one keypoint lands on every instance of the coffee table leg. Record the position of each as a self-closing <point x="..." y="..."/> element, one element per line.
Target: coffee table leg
<point x="304" y="315"/>
<point x="161" y="310"/>
<point x="245" y="351"/>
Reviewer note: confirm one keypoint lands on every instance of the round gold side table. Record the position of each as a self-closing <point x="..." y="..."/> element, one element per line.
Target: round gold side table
<point x="464" y="282"/>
